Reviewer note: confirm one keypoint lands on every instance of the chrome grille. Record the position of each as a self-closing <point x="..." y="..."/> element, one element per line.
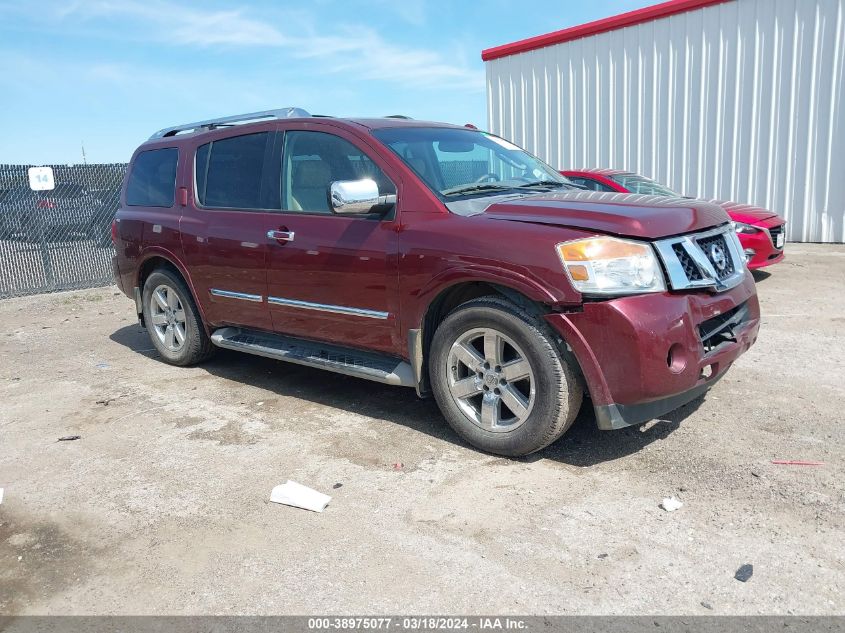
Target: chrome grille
<point x="690" y="269"/>
<point x="716" y="250"/>
<point x="711" y="259"/>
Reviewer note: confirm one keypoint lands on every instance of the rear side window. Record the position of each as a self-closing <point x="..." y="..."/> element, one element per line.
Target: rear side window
<point x="230" y="173"/>
<point x="153" y="178"/>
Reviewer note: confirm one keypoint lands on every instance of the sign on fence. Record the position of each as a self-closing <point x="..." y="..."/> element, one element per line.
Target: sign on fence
<point x="41" y="179"/>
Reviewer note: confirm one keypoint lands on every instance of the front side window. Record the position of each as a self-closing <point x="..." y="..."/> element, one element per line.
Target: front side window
<point x="152" y="182"/>
<point x="313" y="160"/>
<point x="457" y="163"/>
<point x="640" y="184"/>
<point x="230" y="173"/>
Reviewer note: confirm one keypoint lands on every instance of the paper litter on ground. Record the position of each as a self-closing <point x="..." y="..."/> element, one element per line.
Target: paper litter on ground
<point x="670" y="504"/>
<point x="299" y="496"/>
<point x="1" y="495"/>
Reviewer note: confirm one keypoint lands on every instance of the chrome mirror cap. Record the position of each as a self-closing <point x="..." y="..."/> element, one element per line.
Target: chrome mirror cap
<point x="354" y="197"/>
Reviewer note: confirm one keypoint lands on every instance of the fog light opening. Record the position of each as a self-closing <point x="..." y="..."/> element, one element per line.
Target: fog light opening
<point x="749" y="254"/>
<point x="707" y="372"/>
<point x="676" y="358"/>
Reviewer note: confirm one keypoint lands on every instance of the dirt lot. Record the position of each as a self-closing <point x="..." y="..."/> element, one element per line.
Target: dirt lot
<point x="162" y="506"/>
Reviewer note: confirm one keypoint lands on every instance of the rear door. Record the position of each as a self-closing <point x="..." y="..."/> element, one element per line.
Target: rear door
<point x="224" y="230"/>
<point x="333" y="278"/>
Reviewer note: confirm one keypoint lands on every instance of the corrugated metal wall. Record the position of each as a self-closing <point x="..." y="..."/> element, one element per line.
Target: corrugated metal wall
<point x="738" y="101"/>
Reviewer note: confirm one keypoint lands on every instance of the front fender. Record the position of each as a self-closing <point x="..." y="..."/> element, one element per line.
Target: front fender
<point x="451" y="277"/>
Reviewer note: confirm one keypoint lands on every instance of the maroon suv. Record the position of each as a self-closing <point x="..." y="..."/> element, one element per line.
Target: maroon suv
<point x="435" y="257"/>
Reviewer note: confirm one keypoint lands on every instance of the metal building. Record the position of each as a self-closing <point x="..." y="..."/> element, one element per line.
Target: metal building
<point x="730" y="99"/>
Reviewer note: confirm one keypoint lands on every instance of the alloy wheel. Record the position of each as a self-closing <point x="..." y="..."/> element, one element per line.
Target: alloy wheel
<point x="491" y="380"/>
<point x="168" y="317"/>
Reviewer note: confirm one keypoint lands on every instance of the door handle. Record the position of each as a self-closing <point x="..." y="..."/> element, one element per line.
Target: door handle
<point x="281" y="236"/>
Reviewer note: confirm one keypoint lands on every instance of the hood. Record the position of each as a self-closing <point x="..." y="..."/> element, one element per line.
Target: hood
<point x="632" y="215"/>
<point x="747" y="213"/>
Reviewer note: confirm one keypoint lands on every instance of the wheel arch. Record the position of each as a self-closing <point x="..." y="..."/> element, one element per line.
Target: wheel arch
<point x="449" y="297"/>
<point x="163" y="260"/>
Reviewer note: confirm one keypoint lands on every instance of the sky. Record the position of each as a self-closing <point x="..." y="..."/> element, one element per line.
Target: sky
<point x="108" y="73"/>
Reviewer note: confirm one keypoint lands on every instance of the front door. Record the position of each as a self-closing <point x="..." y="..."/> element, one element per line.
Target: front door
<point x="330" y="277"/>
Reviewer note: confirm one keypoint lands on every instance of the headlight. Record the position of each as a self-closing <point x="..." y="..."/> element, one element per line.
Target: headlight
<point x="611" y="266"/>
<point x="742" y="227"/>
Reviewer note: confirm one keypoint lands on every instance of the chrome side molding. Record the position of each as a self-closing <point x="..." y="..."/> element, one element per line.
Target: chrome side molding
<point x="304" y="305"/>
<point x="324" y="307"/>
<point x="228" y="294"/>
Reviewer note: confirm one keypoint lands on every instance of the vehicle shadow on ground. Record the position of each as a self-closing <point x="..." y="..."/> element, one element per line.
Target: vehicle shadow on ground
<point x="583" y="445"/>
<point x="760" y="275"/>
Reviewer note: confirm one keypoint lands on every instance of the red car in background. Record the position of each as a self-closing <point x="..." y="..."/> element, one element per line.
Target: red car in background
<point x="760" y="231"/>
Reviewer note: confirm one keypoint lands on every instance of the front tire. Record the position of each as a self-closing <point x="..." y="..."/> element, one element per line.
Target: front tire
<point x="173" y="321"/>
<point x="500" y="380"/>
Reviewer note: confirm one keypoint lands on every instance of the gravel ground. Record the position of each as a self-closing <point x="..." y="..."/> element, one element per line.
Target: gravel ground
<point x="162" y="505"/>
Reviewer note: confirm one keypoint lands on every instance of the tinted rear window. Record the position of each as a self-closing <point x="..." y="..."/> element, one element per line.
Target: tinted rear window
<point x="229" y="172"/>
<point x="153" y="178"/>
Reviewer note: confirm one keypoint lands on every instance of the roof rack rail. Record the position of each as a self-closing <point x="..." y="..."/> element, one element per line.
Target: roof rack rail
<point x="398" y="116"/>
<point x="283" y="113"/>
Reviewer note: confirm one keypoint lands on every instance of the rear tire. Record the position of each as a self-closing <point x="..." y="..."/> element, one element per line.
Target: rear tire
<point x="173" y="321"/>
<point x="500" y="380"/>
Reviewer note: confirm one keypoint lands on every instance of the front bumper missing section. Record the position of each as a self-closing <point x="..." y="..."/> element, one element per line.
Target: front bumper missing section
<point x="611" y="417"/>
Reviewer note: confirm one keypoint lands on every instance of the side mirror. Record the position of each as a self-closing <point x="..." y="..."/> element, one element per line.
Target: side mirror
<point x="356" y="197"/>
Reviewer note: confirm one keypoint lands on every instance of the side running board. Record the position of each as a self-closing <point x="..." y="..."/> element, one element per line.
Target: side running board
<point x="343" y="360"/>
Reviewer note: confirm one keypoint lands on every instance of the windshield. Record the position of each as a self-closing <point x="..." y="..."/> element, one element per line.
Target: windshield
<point x="459" y="163"/>
<point x="640" y="184"/>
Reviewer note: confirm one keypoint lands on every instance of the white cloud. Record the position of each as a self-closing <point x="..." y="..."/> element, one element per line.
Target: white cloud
<point x="412" y="11"/>
<point x="177" y="24"/>
<point x="365" y="54"/>
<point x="358" y="51"/>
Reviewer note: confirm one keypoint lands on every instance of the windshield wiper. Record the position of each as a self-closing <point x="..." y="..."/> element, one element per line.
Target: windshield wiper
<point x="485" y="186"/>
<point x="543" y="183"/>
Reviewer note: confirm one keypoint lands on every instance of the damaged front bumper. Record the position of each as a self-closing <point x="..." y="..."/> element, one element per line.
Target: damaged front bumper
<point x="647" y="355"/>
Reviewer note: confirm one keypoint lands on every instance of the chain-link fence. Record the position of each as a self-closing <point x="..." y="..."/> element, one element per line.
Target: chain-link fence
<point x="58" y="239"/>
